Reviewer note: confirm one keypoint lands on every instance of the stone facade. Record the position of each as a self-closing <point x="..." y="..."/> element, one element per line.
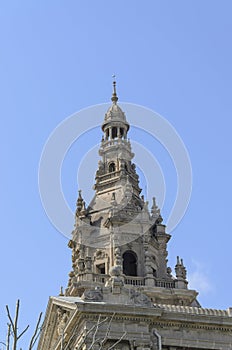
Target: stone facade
<point x="121" y="293"/>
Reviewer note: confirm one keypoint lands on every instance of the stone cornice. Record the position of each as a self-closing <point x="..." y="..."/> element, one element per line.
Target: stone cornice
<point x="196" y="310"/>
<point x="162" y="317"/>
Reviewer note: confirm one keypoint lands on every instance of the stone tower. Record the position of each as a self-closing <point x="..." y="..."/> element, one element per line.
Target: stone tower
<point x="121" y="294"/>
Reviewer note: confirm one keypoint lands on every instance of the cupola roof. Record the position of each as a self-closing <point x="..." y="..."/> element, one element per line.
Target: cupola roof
<point x="115" y="114"/>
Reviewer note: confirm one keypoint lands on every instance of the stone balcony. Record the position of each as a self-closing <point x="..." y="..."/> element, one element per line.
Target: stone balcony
<point x="128" y="280"/>
<point x="160" y="291"/>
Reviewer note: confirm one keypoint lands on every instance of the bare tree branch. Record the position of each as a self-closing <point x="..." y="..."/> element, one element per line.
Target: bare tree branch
<point x="36" y="332"/>
<point x="16" y="315"/>
<point x="74" y="333"/>
<point x="14" y="325"/>
<point x="19" y="336"/>
<point x="98" y="340"/>
<point x="37" y="336"/>
<point x="97" y="328"/>
<point x="10" y="319"/>
<point x="7" y="344"/>
<point x="95" y="333"/>
<point x="13" y="329"/>
<point x="8" y="336"/>
<point x="89" y="331"/>
<point x="71" y="338"/>
<point x="107" y="332"/>
<point x="118" y="341"/>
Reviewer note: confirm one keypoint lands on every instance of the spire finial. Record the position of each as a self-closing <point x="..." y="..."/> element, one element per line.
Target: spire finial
<point x="114" y="97"/>
<point x="61" y="292"/>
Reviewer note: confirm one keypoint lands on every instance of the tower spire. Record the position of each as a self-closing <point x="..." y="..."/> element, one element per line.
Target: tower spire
<point x="114" y="97"/>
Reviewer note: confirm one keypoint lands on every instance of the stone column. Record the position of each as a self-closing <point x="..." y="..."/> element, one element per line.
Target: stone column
<point x="118" y="132"/>
<point x="162" y="238"/>
<point x="149" y="278"/>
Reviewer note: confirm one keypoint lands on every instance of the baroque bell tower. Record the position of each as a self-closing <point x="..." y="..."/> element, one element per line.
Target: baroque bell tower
<point x="121" y="293"/>
<point x="116" y="233"/>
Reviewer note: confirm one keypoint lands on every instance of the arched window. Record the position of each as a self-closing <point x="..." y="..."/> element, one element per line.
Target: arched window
<point x="154" y="272"/>
<point x="111" y="167"/>
<point x="114" y="133"/>
<point x="130" y="263"/>
<point x="101" y="269"/>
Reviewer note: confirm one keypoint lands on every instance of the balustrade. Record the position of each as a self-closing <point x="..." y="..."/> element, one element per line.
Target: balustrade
<point x="129" y="280"/>
<point x="165" y="284"/>
<point x="135" y="281"/>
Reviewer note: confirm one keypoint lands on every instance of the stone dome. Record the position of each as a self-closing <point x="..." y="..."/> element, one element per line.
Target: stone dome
<point x="115" y="114"/>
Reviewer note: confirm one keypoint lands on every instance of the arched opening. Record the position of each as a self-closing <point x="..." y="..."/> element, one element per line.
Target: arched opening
<point x="101" y="269"/>
<point x="114" y="133"/>
<point x="111" y="167"/>
<point x="130" y="263"/>
<point x="107" y="134"/>
<point x="154" y="272"/>
<point x="121" y="132"/>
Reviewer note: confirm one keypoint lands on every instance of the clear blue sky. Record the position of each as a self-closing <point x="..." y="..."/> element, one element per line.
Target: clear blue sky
<point x="58" y="57"/>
